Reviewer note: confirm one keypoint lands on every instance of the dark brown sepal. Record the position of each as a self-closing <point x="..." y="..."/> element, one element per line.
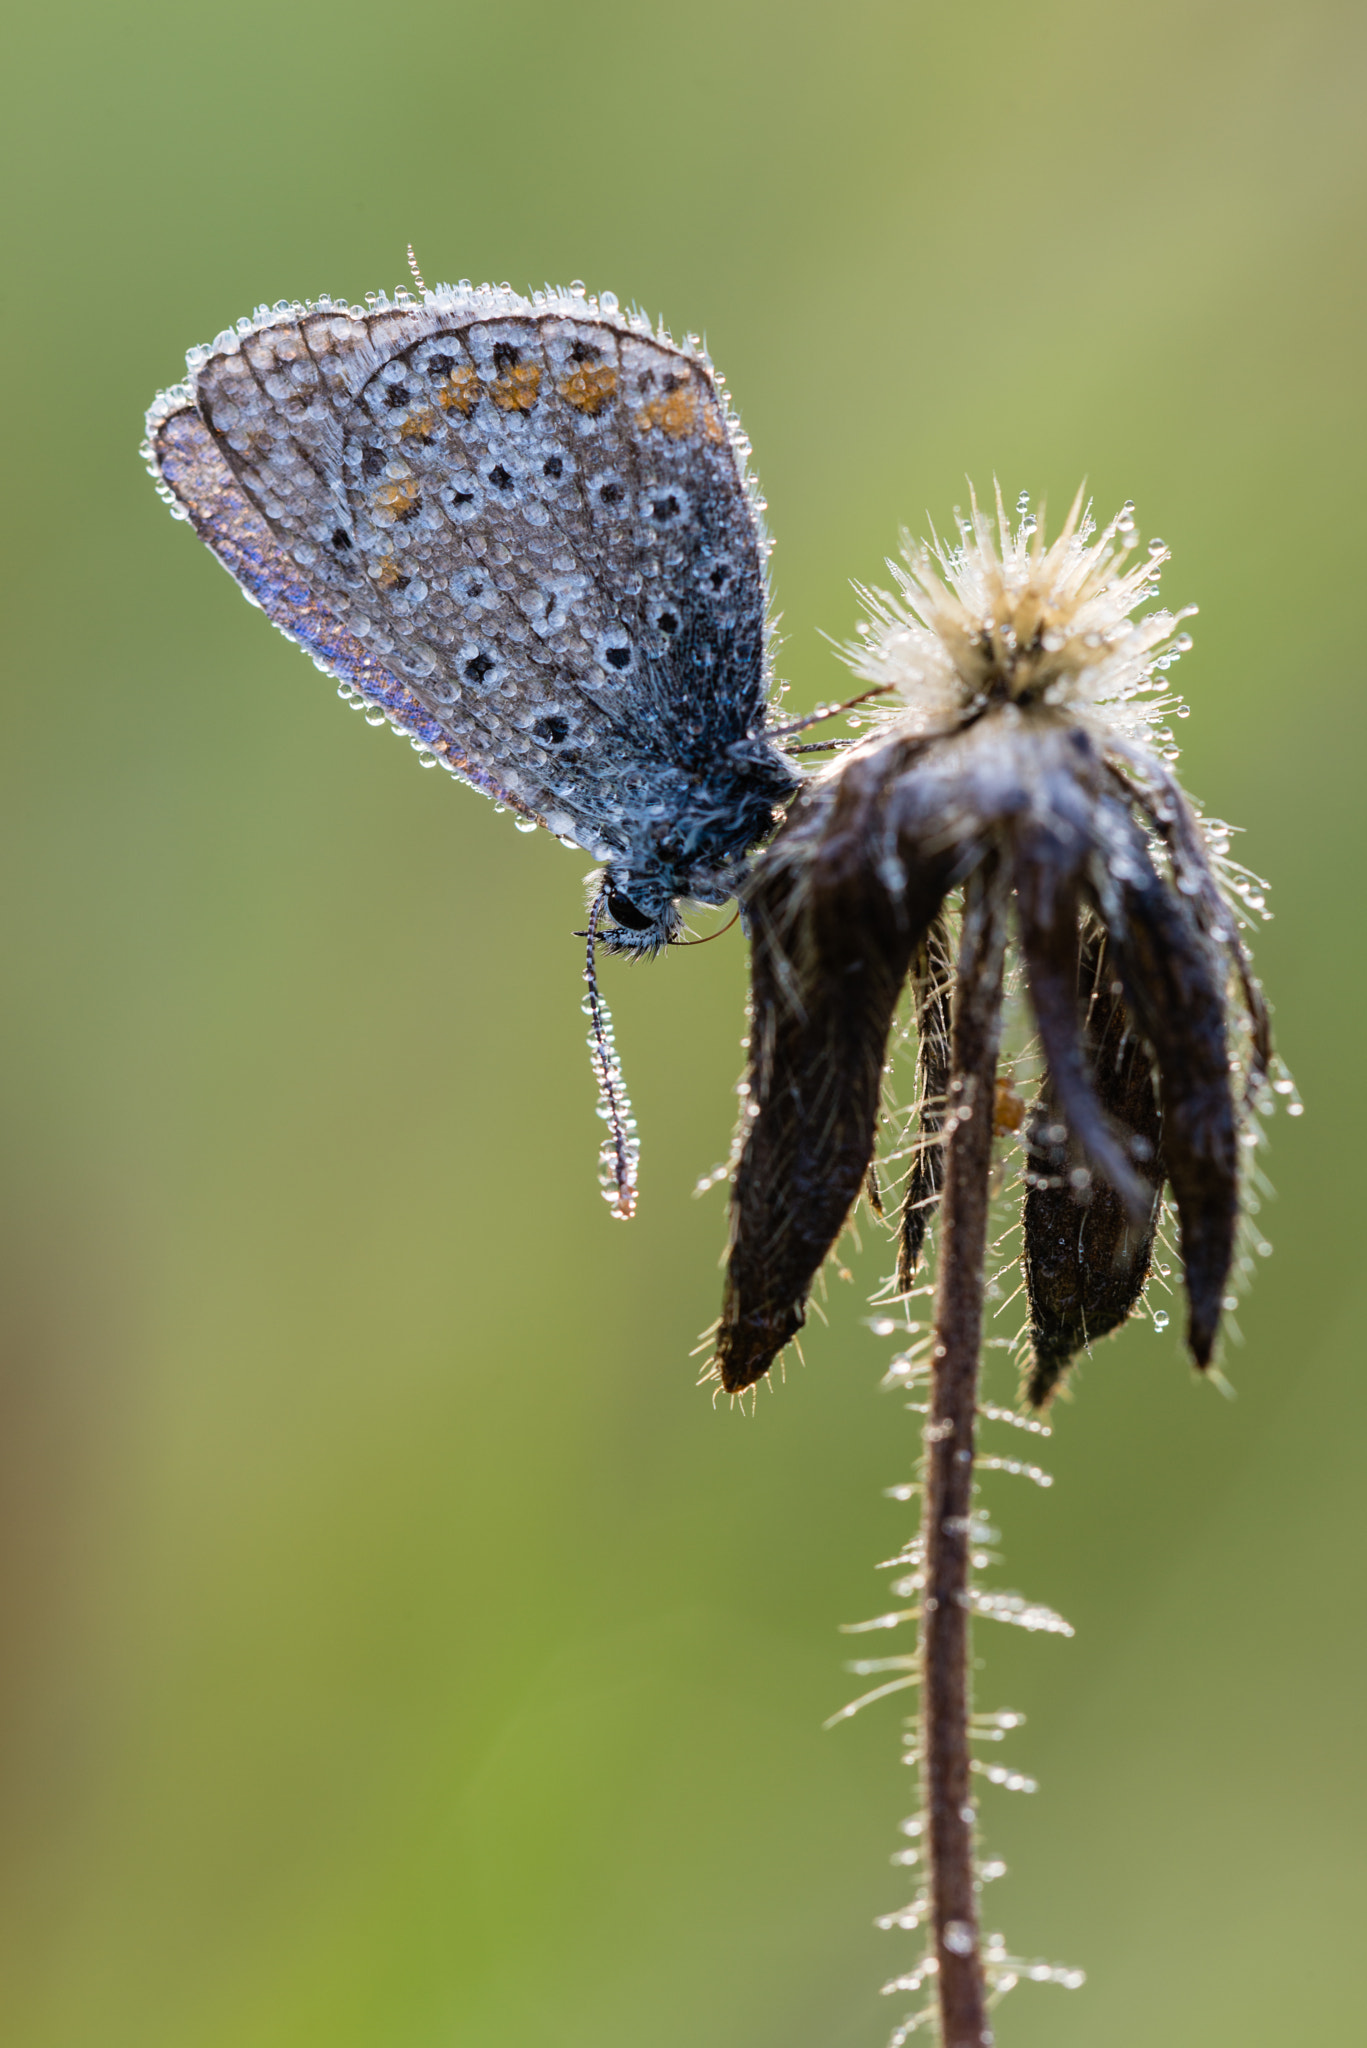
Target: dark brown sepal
<point x="1085" y="1261"/>
<point x="833" y="937"/>
<point x="1174" y="989"/>
<point x="1048" y="909"/>
<point x="1165" y="803"/>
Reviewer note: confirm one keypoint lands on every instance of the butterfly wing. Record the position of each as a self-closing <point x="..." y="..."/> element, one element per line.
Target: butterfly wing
<point x="527" y="531"/>
<point x="203" y="490"/>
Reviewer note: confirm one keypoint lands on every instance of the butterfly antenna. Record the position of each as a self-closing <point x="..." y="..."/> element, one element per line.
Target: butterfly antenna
<point x="417" y="274"/>
<point x="783" y="732"/>
<point x="619" y="1159"/>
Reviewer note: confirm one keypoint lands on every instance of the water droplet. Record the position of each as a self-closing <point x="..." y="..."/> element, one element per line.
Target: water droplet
<point x="1161" y="1319"/>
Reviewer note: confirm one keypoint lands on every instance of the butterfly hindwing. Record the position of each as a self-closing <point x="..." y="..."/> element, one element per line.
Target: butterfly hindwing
<point x="206" y="492"/>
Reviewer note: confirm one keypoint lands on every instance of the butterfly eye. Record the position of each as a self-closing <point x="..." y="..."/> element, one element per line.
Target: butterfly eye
<point x="623" y="911"/>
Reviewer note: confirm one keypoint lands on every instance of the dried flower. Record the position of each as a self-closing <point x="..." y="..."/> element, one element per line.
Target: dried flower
<point x="1029" y="751"/>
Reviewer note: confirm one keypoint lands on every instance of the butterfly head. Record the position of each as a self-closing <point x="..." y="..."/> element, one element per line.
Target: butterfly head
<point x="640" y="927"/>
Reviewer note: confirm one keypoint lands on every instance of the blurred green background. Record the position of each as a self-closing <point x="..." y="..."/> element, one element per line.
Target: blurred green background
<point x="399" y="1649"/>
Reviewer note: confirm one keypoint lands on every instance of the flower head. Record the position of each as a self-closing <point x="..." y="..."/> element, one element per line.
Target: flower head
<point x="1004" y="617"/>
<point x="1028" y="750"/>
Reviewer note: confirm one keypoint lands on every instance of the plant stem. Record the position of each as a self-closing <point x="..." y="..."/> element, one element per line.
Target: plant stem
<point x="947" y="1496"/>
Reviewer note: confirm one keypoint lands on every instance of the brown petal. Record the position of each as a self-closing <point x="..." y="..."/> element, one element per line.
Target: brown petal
<point x="833" y="938"/>
<point x="1048" y="907"/>
<point x="1085" y="1261"/>
<point x="1176" y="995"/>
<point x="1166" y="804"/>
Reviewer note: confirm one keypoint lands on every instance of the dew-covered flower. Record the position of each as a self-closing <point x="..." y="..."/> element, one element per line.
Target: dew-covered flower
<point x="1029" y="743"/>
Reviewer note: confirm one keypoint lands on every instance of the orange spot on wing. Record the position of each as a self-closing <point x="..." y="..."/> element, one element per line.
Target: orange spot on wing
<point x="390" y="574"/>
<point x="589" y="388"/>
<point x="515" y="390"/>
<point x="419" y="426"/>
<point x="675" y="412"/>
<point x="460" y="393"/>
<point x="396" y="500"/>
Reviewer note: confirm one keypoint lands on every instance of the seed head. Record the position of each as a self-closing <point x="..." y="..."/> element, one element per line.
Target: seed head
<point x="1006" y="618"/>
<point x="1027" y="743"/>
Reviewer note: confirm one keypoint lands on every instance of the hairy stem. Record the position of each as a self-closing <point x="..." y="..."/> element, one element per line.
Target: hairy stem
<point x="947" y="1496"/>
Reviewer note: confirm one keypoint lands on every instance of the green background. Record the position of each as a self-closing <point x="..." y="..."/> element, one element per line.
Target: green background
<point x="399" y="1649"/>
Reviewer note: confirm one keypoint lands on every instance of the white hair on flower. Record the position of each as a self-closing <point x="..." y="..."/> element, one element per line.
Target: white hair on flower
<point x="1007" y="616"/>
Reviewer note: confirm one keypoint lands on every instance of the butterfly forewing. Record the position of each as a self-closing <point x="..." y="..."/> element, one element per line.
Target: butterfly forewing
<point x="531" y="525"/>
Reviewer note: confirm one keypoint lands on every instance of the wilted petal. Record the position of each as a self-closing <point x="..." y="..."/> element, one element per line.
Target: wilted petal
<point x="1048" y="907"/>
<point x="1166" y="804"/>
<point x="836" y="919"/>
<point x="1175" y="993"/>
<point x="1085" y="1261"/>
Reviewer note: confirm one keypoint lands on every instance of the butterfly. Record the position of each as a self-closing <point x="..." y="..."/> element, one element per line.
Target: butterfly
<point x="525" y="531"/>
